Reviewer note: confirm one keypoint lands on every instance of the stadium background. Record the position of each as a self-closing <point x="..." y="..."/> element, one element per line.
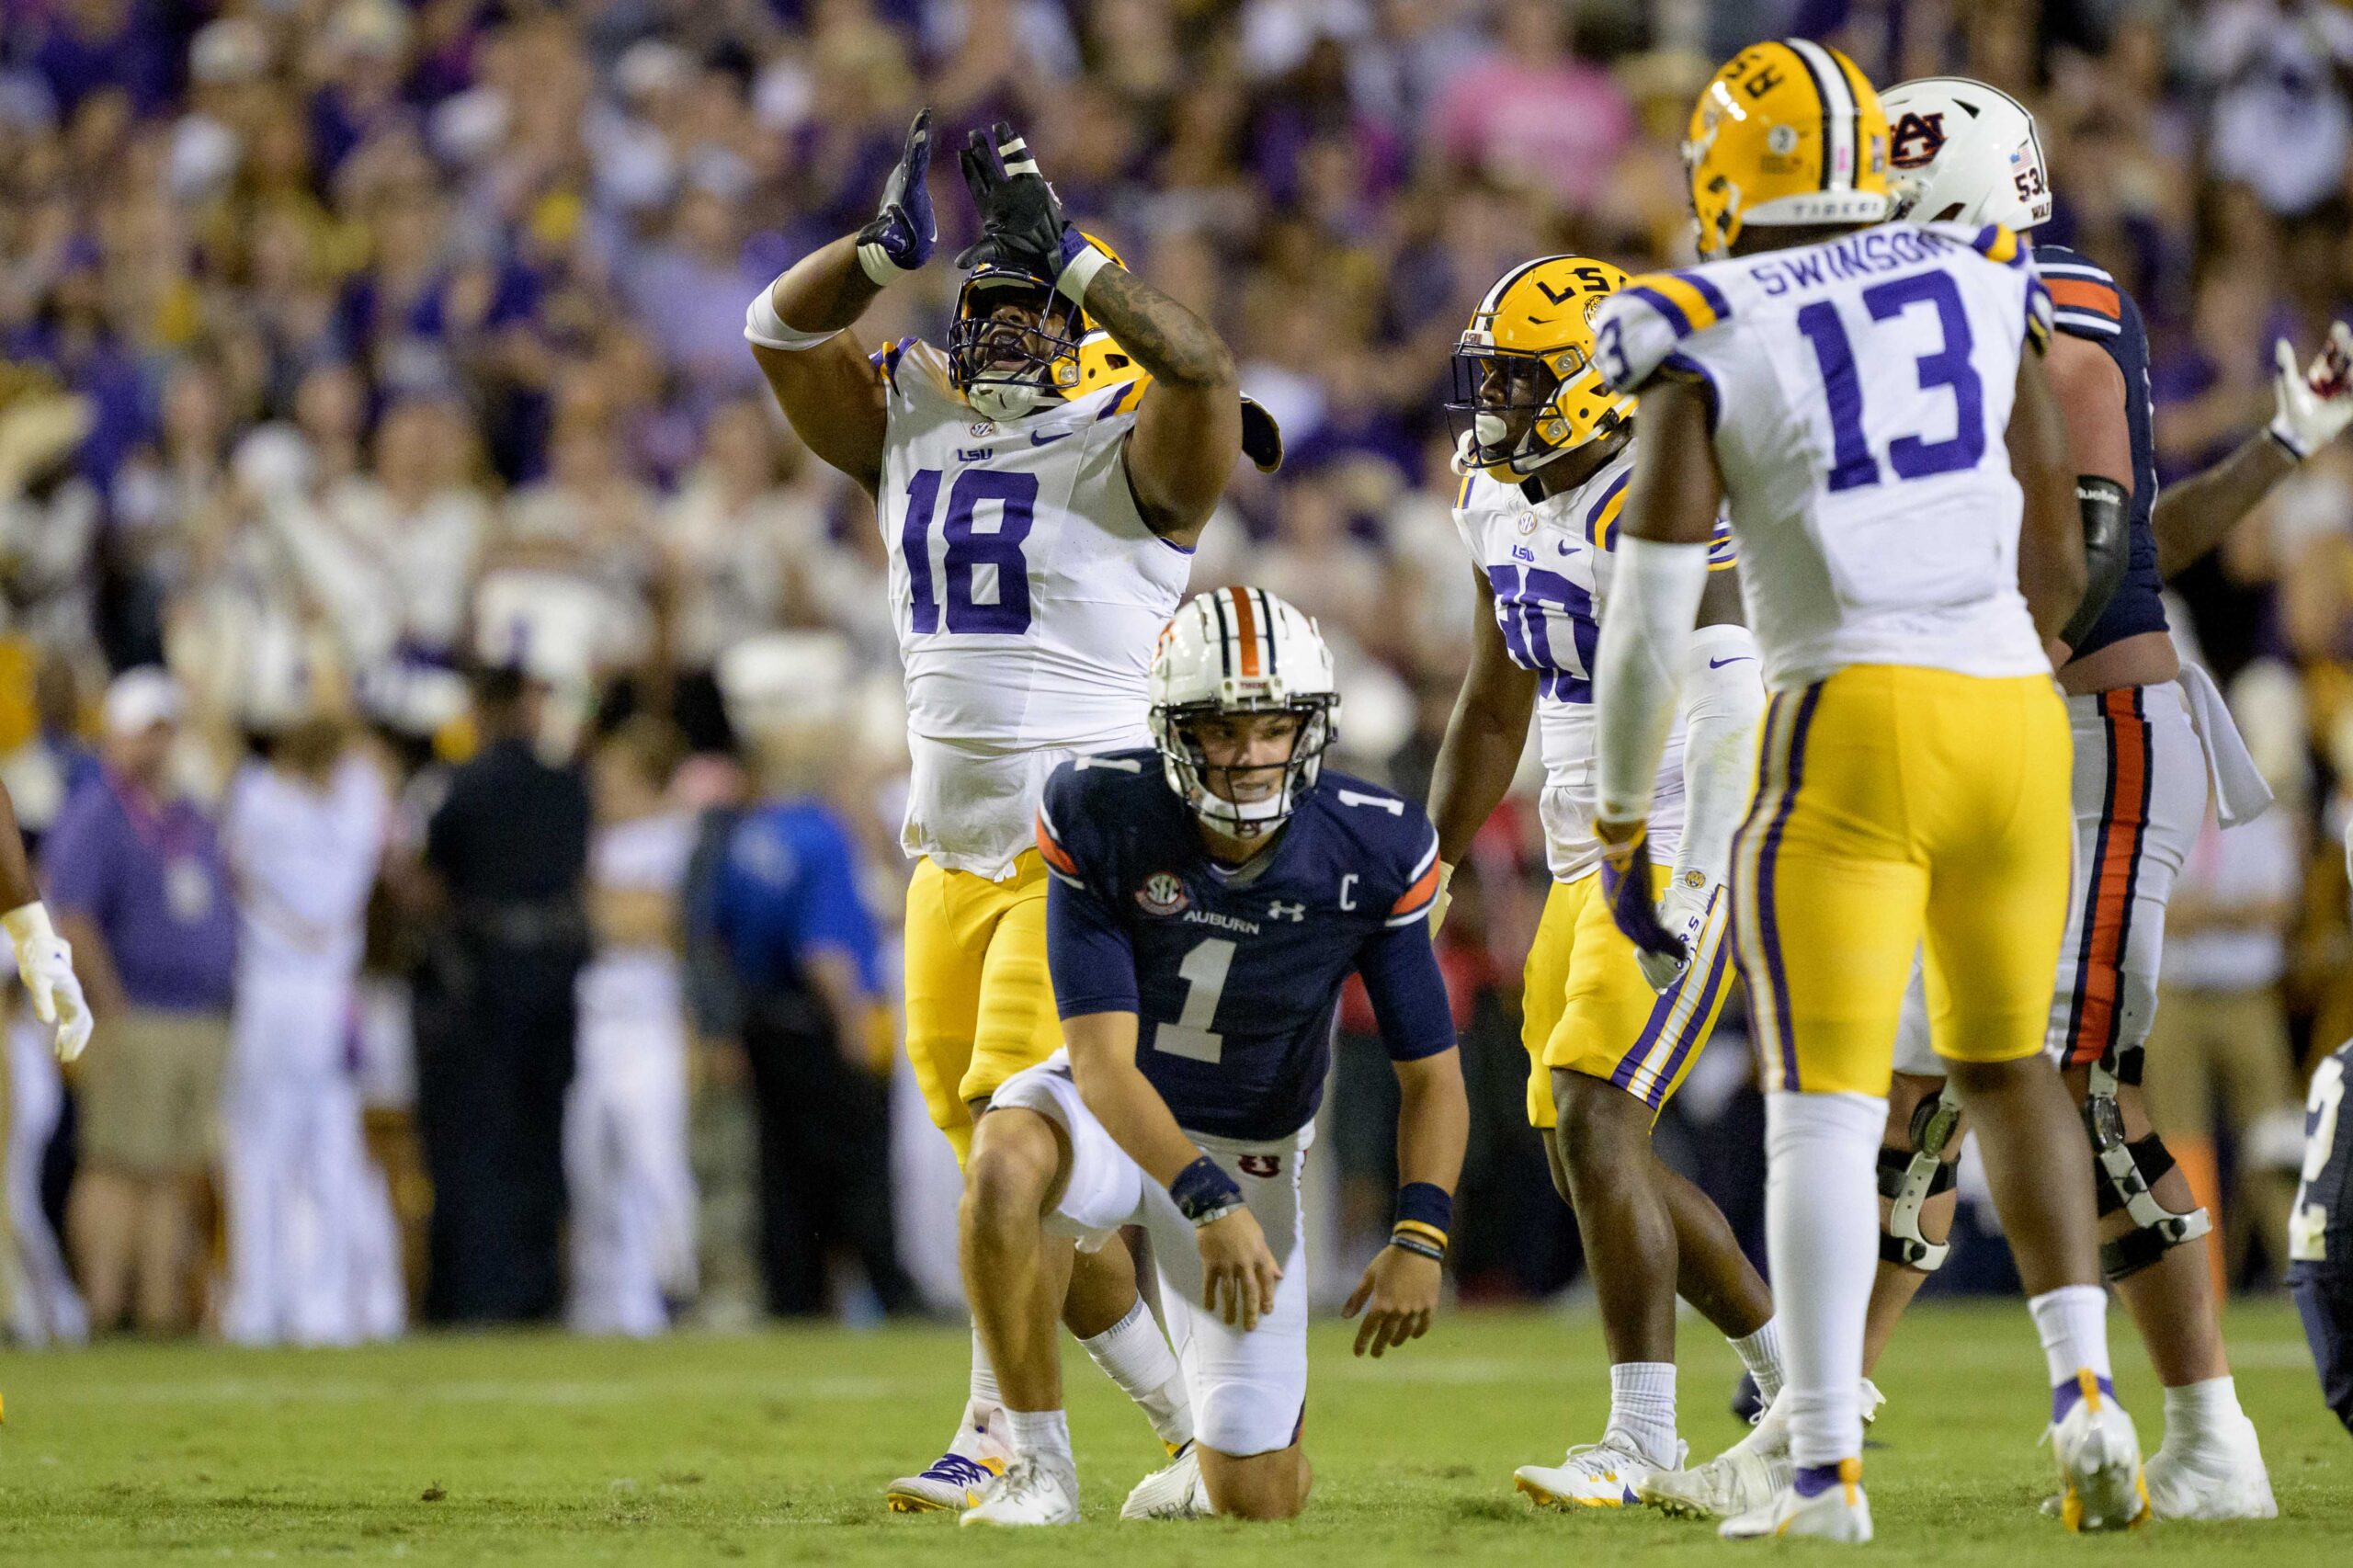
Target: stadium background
<point x="398" y="327"/>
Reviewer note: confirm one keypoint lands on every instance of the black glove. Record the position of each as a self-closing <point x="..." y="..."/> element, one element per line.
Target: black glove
<point x="902" y="234"/>
<point x="1021" y="218"/>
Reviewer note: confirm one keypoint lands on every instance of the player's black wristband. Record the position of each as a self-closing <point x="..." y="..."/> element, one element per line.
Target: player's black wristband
<point x="1204" y="1192"/>
<point x="1426" y="1203"/>
<point x="1417" y="1245"/>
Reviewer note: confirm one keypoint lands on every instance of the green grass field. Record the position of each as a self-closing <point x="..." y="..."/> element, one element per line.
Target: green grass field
<point x="538" y="1449"/>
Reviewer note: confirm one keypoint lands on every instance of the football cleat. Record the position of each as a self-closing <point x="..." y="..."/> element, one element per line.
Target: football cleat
<point x="1176" y="1491"/>
<point x="2222" y="1478"/>
<point x="1594" y="1475"/>
<point x="954" y="1480"/>
<point x="1036" y="1489"/>
<point x="2101" y="1486"/>
<point x="1839" y="1513"/>
<point x="1745" y="1476"/>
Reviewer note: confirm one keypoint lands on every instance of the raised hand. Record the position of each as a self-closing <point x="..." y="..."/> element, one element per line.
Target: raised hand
<point x="1021" y="218"/>
<point x="904" y="232"/>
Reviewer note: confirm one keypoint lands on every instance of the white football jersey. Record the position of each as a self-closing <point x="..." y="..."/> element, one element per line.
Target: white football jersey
<point x="1028" y="594"/>
<point x="1549" y="560"/>
<point x="1862" y="388"/>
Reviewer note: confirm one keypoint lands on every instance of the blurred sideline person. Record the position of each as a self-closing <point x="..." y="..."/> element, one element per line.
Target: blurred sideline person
<point x="2320" y="1226"/>
<point x="134" y="866"/>
<point x="790" y="912"/>
<point x="2153" y="739"/>
<point x="1211" y="896"/>
<point x="1041" y="487"/>
<point x="303" y="830"/>
<point x="631" y="1194"/>
<point x="496" y="1015"/>
<point x="1545" y="451"/>
<point x="1871" y="403"/>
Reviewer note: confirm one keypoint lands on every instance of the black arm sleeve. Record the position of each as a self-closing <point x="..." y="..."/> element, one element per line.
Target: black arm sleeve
<point x="2106" y="547"/>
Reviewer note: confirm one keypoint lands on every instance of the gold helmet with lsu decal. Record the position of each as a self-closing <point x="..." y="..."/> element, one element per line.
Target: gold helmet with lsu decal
<point x="1525" y="389"/>
<point x="1788" y="132"/>
<point x="1006" y="369"/>
<point x="1009" y="366"/>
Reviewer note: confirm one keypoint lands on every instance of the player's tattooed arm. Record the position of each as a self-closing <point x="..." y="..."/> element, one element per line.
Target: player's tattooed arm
<point x="1188" y="427"/>
<point x="1484" y="737"/>
<point x="2051" y="570"/>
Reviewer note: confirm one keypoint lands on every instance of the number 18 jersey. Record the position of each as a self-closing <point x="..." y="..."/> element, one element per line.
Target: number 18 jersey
<point x="1028" y="594"/>
<point x="1861" y="388"/>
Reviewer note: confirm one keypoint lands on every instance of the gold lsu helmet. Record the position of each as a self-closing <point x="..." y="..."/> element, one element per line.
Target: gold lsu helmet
<point x="1006" y="372"/>
<point x="1788" y="132"/>
<point x="1525" y="388"/>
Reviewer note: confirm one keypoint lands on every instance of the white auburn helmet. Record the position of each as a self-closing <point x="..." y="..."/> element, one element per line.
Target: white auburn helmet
<point x="1235" y="650"/>
<point x="1962" y="152"/>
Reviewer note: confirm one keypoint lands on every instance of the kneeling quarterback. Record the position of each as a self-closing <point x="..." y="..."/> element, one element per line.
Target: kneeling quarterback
<point x="1209" y="899"/>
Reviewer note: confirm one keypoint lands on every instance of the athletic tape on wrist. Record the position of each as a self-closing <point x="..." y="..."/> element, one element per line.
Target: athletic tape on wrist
<point x="876" y="263"/>
<point x="1081" y="271"/>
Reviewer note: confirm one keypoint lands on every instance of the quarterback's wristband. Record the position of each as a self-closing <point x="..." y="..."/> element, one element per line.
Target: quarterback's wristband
<point x="1081" y="271"/>
<point x="1428" y="1206"/>
<point x="1417" y="1245"/>
<point x="764" y="326"/>
<point x="1204" y="1192"/>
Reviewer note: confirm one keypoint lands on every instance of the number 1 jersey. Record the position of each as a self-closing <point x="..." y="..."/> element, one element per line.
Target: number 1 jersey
<point x="1861" y="388"/>
<point x="1028" y="594"/>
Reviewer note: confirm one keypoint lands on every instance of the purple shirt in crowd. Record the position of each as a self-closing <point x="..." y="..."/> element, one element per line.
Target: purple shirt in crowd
<point x="153" y="882"/>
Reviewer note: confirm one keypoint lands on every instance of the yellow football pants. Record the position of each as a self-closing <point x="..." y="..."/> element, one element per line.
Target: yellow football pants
<point x="1896" y="803"/>
<point x="980" y="1005"/>
<point x="1585" y="1006"/>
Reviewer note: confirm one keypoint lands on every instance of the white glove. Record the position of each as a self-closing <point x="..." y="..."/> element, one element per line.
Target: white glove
<point x="2316" y="404"/>
<point x="1683" y="910"/>
<point x="45" y="963"/>
<point x="1438" y="904"/>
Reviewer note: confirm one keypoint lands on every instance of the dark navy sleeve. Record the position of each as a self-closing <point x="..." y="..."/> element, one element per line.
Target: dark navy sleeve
<point x="1087" y="950"/>
<point x="1408" y="992"/>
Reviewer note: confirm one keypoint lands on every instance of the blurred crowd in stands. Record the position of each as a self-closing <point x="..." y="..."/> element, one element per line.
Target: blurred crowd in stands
<point x="403" y="571"/>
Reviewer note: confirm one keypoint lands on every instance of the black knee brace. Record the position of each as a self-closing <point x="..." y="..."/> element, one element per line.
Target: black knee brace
<point x="1909" y="1178"/>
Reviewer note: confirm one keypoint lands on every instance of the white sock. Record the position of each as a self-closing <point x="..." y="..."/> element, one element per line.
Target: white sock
<point x="1133" y="1354"/>
<point x="1040" y="1432"/>
<point x="2209" y="1409"/>
<point x="971" y="1439"/>
<point x="1821" y="1228"/>
<point x="1761" y="1354"/>
<point x="2073" y="1322"/>
<point x="985" y="1397"/>
<point x="1642" y="1409"/>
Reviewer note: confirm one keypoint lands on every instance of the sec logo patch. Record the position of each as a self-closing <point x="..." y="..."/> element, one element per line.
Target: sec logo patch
<point x="1264" y="1167"/>
<point x="1162" y="893"/>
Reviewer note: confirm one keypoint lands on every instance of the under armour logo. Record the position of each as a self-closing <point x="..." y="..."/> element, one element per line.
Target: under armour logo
<point x="1294" y="913"/>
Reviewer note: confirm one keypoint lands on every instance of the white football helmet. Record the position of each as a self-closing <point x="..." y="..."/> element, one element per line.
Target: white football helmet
<point x="1962" y="152"/>
<point x="1236" y="651"/>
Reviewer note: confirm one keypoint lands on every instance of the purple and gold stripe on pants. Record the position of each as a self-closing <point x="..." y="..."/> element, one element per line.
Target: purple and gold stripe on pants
<point x="1681" y="1017"/>
<point x="1781" y="772"/>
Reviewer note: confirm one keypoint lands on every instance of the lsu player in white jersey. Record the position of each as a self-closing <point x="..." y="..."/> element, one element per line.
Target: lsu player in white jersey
<point x="2153" y="741"/>
<point x="1040" y="486"/>
<point x="1546" y="451"/>
<point x="1871" y="403"/>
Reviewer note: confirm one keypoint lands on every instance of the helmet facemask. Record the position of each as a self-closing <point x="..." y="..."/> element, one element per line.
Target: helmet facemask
<point x="1510" y="410"/>
<point x="1007" y="367"/>
<point x="1195" y="779"/>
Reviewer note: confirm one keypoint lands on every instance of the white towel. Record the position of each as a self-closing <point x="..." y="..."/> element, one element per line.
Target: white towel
<point x="2240" y="793"/>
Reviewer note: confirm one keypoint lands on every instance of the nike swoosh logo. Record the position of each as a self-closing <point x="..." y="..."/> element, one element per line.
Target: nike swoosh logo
<point x="1040" y="439"/>
<point x="1735" y="659"/>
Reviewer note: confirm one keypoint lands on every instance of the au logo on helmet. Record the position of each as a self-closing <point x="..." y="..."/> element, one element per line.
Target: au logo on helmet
<point x="1916" y="139"/>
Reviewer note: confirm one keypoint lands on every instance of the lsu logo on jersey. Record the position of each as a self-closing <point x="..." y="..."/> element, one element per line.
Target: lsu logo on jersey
<point x="1916" y="139"/>
<point x="1162" y="893"/>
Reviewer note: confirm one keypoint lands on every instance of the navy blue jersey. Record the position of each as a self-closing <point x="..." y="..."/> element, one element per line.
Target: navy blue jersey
<point x="2087" y="302"/>
<point x="2320" y="1227"/>
<point x="1233" y="973"/>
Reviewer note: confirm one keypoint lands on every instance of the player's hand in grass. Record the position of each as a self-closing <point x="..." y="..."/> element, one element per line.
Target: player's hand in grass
<point x="1397" y="1296"/>
<point x="1238" y="1272"/>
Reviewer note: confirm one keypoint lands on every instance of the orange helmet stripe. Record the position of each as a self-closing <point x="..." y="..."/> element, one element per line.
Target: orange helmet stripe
<point x="1245" y="624"/>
